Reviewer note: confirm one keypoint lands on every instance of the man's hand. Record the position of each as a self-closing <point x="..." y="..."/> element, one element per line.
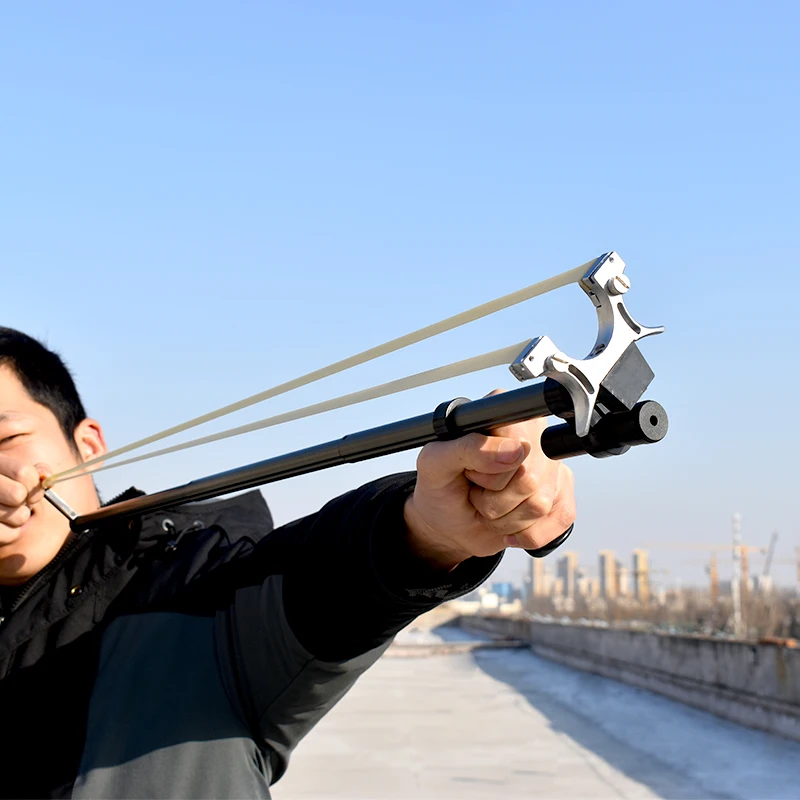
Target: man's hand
<point x="20" y="490"/>
<point x="478" y="494"/>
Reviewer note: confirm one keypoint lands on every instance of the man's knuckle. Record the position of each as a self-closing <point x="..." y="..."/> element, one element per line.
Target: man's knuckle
<point x="483" y="503"/>
<point x="527" y="480"/>
<point x="16" y="494"/>
<point x="13" y="471"/>
<point x="428" y="456"/>
<point x="470" y="445"/>
<point x="490" y="511"/>
<point x="17" y="517"/>
<point x="539" y="504"/>
<point x="24" y="474"/>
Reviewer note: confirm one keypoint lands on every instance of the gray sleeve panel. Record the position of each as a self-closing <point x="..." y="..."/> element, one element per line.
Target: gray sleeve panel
<point x="280" y="689"/>
<point x="160" y="724"/>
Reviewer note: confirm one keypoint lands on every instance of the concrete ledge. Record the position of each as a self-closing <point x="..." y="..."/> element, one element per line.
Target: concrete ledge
<point x="753" y="684"/>
<point x="451" y="648"/>
<point x="497" y="627"/>
<point x="754" y="712"/>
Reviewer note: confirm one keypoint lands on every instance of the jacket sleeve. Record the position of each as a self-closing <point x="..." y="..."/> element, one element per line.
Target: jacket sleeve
<point x="317" y="603"/>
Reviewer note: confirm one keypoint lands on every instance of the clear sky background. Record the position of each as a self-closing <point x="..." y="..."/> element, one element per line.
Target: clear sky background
<point x="199" y="200"/>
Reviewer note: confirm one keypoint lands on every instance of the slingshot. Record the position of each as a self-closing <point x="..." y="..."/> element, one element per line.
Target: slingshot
<point x="598" y="397"/>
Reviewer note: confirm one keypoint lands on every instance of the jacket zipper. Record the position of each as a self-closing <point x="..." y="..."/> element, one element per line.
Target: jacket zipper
<point x="44" y="575"/>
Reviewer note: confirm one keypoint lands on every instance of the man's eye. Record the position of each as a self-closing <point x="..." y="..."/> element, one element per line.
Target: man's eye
<point x="9" y="438"/>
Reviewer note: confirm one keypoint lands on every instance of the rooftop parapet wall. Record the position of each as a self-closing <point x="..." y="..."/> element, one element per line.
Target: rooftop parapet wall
<point x="754" y="684"/>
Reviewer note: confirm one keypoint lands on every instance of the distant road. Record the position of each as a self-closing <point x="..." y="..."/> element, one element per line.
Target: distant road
<point x="500" y="724"/>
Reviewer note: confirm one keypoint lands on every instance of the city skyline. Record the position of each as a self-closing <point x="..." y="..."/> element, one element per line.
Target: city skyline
<point x="566" y="576"/>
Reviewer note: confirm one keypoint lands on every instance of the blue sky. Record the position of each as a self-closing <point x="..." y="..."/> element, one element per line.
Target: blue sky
<point x="198" y="200"/>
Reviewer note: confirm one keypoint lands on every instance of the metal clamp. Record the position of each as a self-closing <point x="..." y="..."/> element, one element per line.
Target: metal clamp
<point x="62" y="505"/>
<point x="606" y="284"/>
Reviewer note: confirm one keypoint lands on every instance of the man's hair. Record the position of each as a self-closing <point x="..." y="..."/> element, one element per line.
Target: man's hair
<point x="44" y="377"/>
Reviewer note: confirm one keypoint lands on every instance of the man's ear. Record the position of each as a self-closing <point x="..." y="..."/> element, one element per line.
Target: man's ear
<point x="89" y="439"/>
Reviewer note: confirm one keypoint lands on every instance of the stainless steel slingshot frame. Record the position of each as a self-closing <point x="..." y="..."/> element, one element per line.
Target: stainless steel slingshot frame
<point x="599" y="397"/>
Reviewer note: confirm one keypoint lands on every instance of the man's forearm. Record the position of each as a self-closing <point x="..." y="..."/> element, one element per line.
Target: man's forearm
<point x="353" y="580"/>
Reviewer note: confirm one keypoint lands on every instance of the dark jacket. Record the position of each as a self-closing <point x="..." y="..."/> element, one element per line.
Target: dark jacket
<point x="186" y="654"/>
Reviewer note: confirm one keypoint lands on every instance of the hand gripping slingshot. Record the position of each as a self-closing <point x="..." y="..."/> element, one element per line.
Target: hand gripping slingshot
<point x="598" y="397"/>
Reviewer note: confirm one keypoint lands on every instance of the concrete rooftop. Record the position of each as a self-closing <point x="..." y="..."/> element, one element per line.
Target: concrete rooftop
<point x="506" y="724"/>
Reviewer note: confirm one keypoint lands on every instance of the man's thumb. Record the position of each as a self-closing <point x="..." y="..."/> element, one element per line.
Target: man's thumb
<point x="440" y="463"/>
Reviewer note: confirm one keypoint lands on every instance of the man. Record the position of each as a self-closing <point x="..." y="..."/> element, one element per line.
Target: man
<point x="186" y="653"/>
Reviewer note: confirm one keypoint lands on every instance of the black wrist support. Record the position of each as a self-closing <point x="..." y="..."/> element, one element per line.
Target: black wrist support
<point x="541" y="552"/>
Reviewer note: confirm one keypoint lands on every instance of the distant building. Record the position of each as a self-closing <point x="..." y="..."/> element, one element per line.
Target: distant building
<point x="514" y="607"/>
<point x="641" y="576"/>
<point x="608" y="574"/>
<point x="567" y="571"/>
<point x="538" y="583"/>
<point x="504" y="590"/>
<point x="547" y="582"/>
<point x="587" y="587"/>
<point x="623" y="580"/>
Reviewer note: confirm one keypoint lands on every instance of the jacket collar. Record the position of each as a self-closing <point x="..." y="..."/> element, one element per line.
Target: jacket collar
<point x="100" y="562"/>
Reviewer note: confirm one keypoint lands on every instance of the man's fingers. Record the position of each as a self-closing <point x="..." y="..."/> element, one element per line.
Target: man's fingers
<point x="36" y="495"/>
<point x="20" y="488"/>
<point x="536" y="487"/>
<point x="16" y="484"/>
<point x="12" y="493"/>
<point x="543" y="531"/>
<point x="537" y="517"/>
<point x="442" y="462"/>
<point x="498" y="481"/>
<point x="531" y="429"/>
<point x="14" y="517"/>
<point x="494" y="483"/>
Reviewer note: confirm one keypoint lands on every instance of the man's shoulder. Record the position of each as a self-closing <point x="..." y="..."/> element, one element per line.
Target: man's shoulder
<point x="194" y="548"/>
<point x="244" y="515"/>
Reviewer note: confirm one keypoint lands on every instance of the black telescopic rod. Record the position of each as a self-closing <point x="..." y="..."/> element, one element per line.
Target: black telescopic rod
<point x="449" y="421"/>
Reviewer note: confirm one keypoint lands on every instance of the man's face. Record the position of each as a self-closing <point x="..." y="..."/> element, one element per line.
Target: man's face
<point x="30" y="435"/>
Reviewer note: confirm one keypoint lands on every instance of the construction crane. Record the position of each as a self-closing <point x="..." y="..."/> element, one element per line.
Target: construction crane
<point x="795" y="562"/>
<point x="764" y="580"/>
<point x="712" y="568"/>
<point x="649" y="571"/>
<point x="770" y="554"/>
